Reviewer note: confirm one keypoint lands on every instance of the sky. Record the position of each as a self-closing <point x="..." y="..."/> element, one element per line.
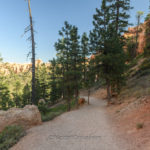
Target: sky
<point x="49" y="17"/>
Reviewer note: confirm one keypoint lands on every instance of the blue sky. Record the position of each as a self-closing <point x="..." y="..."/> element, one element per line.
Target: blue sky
<point x="49" y="16"/>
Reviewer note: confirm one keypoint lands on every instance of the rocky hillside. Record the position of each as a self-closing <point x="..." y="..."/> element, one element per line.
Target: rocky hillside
<point x="7" y="68"/>
<point x="141" y="36"/>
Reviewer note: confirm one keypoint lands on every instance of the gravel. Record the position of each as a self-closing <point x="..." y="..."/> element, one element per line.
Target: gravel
<point x="88" y="128"/>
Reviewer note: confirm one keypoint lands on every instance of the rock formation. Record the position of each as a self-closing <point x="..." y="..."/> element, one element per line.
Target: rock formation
<point x="27" y="117"/>
<point x="7" y="68"/>
<point x="141" y="36"/>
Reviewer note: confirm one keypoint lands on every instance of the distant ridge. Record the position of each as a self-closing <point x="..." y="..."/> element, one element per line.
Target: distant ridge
<point x="17" y="68"/>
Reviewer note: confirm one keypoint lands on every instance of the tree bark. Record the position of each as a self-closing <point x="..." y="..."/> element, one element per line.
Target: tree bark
<point x="76" y="97"/>
<point x="68" y="99"/>
<point x="137" y="35"/>
<point x="89" y="91"/>
<point x="108" y="91"/>
<point x="117" y="16"/>
<point x="68" y="104"/>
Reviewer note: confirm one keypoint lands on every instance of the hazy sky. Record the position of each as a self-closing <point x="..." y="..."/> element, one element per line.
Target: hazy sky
<point x="49" y="16"/>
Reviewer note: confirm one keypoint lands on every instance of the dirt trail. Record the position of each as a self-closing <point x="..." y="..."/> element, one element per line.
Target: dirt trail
<point x="88" y="128"/>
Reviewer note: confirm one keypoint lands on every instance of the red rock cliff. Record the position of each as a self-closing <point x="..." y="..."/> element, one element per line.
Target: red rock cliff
<point x="141" y="36"/>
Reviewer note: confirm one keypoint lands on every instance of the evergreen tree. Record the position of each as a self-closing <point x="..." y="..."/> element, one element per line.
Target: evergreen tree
<point x="26" y="96"/>
<point x="119" y="18"/>
<point x="75" y="61"/>
<point x="109" y="23"/>
<point x="85" y="54"/>
<point x="120" y="14"/>
<point x="63" y="48"/>
<point x="131" y="51"/>
<point x="17" y="97"/>
<point x="42" y="83"/>
<point x="1" y="59"/>
<point x="55" y="92"/>
<point x="89" y="78"/>
<point x="147" y="17"/>
<point x="69" y="57"/>
<point x="99" y="41"/>
<point x="5" y="100"/>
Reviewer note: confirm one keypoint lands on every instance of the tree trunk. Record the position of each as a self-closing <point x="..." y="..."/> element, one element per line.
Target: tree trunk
<point x="68" y="104"/>
<point x="68" y="99"/>
<point x="76" y="97"/>
<point x="89" y="91"/>
<point x="117" y="16"/>
<point x="33" y="55"/>
<point x="137" y="35"/>
<point x="108" y="91"/>
<point x="63" y="78"/>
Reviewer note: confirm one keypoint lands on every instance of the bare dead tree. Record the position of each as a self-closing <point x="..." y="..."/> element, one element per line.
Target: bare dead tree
<point x="31" y="29"/>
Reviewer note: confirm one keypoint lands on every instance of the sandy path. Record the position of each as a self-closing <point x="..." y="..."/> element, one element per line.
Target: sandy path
<point x="88" y="128"/>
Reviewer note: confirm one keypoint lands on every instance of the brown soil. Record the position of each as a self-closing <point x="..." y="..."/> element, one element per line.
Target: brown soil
<point x="127" y="116"/>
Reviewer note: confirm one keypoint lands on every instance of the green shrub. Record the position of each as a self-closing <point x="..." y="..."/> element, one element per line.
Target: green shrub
<point x="143" y="73"/>
<point x="145" y="65"/>
<point x="51" y="113"/>
<point x="144" y="69"/>
<point x="10" y="136"/>
<point x="134" y="61"/>
<point x="50" y="116"/>
<point x="43" y="108"/>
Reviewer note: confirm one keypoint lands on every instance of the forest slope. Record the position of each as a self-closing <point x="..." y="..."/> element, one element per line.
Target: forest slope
<point x="131" y="109"/>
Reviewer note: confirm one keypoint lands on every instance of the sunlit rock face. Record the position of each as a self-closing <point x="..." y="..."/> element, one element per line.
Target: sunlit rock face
<point x="27" y="117"/>
<point x="141" y="36"/>
<point x="7" y="68"/>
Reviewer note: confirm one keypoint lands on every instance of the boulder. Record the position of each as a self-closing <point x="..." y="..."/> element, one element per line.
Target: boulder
<point x="81" y="101"/>
<point x="27" y="117"/>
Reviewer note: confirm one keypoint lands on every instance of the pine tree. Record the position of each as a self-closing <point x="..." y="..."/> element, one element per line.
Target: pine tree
<point x="109" y="23"/>
<point x="26" y="96"/>
<point x="120" y="18"/>
<point x="120" y="14"/>
<point x="5" y="99"/>
<point x="99" y="42"/>
<point x="89" y="78"/>
<point x="63" y="49"/>
<point x="85" y="54"/>
<point x="131" y="51"/>
<point x="148" y="15"/>
<point x="75" y="61"/>
<point x="56" y="91"/>
<point x="17" y="97"/>
<point x="1" y="59"/>
<point x="69" y="57"/>
<point x="42" y="88"/>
